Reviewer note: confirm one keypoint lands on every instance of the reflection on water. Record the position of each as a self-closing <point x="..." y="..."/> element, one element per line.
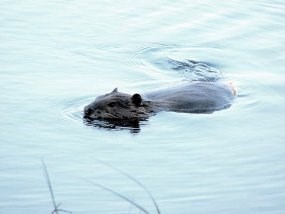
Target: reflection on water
<point x="56" y="57"/>
<point x="195" y="71"/>
<point x="132" y="125"/>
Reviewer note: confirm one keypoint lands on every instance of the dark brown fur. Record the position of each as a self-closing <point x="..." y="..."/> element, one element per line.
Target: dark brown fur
<point x="194" y="97"/>
<point x="119" y="106"/>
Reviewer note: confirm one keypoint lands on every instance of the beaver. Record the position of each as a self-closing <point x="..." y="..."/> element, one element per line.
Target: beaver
<point x="190" y="97"/>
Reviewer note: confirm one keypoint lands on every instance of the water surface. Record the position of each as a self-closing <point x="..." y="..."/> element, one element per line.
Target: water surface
<point x="57" y="56"/>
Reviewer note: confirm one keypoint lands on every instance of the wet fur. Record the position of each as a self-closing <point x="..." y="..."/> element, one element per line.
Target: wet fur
<point x="193" y="97"/>
<point x="119" y="106"/>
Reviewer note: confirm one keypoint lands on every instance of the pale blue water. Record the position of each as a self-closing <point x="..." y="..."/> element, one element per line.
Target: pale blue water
<point x="57" y="56"/>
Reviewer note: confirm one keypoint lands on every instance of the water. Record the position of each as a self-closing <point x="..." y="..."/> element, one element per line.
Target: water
<point x="57" y="56"/>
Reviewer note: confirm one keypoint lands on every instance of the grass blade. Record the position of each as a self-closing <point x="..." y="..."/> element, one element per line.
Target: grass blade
<point x="134" y="180"/>
<point x="55" y="207"/>
<point x="119" y="195"/>
<point x="50" y="187"/>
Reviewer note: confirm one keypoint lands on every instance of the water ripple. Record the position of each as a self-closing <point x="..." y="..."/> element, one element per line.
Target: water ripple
<point x="71" y="110"/>
<point x="253" y="95"/>
<point x="175" y="60"/>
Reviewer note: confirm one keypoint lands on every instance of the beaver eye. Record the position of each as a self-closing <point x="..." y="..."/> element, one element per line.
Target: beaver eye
<point x="111" y="104"/>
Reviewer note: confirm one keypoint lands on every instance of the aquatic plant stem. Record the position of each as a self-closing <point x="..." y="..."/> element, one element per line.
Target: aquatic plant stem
<point x="55" y="206"/>
<point x="134" y="180"/>
<point x="50" y="188"/>
<point x="119" y="195"/>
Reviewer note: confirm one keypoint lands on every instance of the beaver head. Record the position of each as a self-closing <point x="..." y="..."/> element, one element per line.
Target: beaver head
<point x="119" y="106"/>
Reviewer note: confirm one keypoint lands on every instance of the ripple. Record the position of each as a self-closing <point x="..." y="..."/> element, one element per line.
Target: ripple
<point x="192" y="70"/>
<point x="254" y="95"/>
<point x="172" y="61"/>
<point x="71" y="110"/>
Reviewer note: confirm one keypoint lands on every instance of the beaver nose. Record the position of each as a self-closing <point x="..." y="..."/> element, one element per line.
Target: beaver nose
<point x="88" y="111"/>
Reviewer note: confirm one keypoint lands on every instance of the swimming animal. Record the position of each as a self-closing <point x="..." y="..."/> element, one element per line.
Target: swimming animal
<point x="190" y="97"/>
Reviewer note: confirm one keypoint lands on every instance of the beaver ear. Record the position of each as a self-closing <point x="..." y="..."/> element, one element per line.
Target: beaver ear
<point x="136" y="99"/>
<point x="115" y="90"/>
